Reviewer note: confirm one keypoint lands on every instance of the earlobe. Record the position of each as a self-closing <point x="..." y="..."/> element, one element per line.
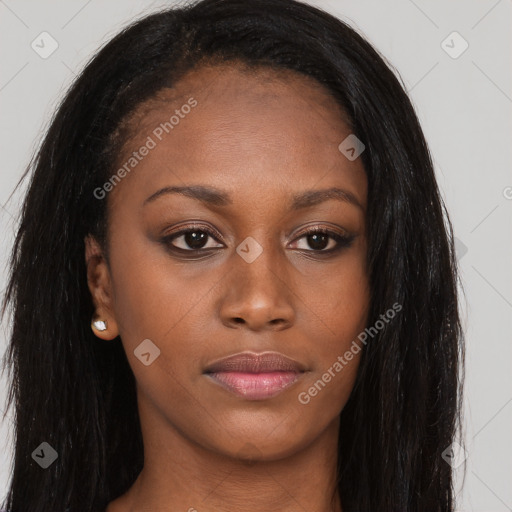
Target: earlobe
<point x="103" y="323"/>
<point x="99" y="325"/>
<point x="104" y="328"/>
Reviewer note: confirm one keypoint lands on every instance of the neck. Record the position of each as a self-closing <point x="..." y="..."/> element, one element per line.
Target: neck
<point x="181" y="475"/>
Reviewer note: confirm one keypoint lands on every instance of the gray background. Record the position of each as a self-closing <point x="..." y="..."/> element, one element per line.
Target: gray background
<point x="464" y="105"/>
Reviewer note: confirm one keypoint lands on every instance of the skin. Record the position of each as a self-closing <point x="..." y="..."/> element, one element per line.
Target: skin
<point x="261" y="137"/>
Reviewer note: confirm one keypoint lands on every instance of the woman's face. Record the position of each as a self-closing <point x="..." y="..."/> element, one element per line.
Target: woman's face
<point x="256" y="158"/>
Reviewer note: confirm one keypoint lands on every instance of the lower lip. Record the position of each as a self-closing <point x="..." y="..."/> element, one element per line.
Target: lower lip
<point x="255" y="386"/>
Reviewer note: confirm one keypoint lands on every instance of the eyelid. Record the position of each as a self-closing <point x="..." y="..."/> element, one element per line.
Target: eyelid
<point x="323" y="228"/>
<point x="213" y="232"/>
<point x="180" y="230"/>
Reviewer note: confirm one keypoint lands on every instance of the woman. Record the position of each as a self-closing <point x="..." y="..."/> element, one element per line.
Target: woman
<point x="233" y="285"/>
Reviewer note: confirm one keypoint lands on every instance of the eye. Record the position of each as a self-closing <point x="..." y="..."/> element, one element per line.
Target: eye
<point x="323" y="240"/>
<point x="192" y="239"/>
<point x="197" y="239"/>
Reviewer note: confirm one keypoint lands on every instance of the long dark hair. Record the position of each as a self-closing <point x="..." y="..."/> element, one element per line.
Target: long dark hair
<point x="78" y="394"/>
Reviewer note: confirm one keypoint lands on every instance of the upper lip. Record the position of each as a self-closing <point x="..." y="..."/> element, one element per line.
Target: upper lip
<point x="251" y="362"/>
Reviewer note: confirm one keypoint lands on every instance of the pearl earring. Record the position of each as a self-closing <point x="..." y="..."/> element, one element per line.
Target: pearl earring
<point x="99" y="325"/>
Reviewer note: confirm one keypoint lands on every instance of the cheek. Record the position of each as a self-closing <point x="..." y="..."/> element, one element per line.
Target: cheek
<point x="169" y="304"/>
<point x="338" y="298"/>
<point x="152" y="297"/>
<point x="158" y="301"/>
<point x="337" y="354"/>
<point x="340" y="311"/>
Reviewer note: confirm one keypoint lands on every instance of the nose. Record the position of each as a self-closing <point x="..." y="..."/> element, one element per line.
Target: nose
<point x="258" y="295"/>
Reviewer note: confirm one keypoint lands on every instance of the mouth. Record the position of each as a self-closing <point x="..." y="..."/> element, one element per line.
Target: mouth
<point x="255" y="376"/>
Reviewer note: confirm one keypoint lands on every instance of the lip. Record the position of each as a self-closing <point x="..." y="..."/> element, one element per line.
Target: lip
<point x="255" y="376"/>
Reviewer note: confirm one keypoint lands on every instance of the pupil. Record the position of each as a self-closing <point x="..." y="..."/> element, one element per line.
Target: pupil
<point x="314" y="239"/>
<point x="195" y="239"/>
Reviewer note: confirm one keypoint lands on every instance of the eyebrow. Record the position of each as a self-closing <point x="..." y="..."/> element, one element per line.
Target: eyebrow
<point x="214" y="197"/>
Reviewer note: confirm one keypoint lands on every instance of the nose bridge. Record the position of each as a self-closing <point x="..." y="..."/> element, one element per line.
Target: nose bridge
<point x="257" y="266"/>
<point x="255" y="263"/>
<point x="258" y="294"/>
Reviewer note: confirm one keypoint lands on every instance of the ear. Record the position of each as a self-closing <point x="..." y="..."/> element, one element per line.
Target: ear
<point x="100" y="286"/>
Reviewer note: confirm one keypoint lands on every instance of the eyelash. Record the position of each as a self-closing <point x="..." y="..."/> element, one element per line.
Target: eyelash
<point x="343" y="241"/>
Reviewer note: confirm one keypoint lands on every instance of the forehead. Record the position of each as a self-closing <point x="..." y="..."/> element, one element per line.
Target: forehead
<point x="238" y="96"/>
<point x="248" y="128"/>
